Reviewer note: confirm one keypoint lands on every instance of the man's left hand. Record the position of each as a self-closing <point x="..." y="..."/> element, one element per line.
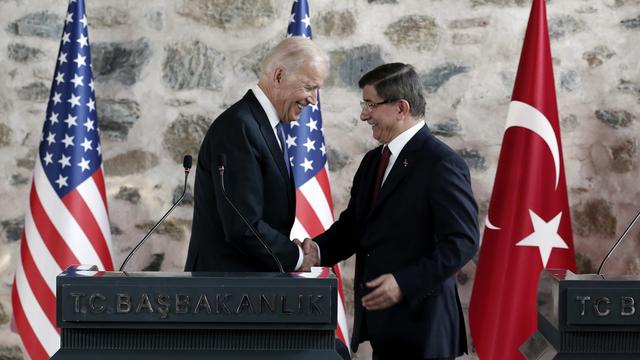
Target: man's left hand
<point x="386" y="293"/>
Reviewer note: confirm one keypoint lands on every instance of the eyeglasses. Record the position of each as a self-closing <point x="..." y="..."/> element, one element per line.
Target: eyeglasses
<point x="370" y="106"/>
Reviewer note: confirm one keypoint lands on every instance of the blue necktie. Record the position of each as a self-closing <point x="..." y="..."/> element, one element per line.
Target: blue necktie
<point x="283" y="144"/>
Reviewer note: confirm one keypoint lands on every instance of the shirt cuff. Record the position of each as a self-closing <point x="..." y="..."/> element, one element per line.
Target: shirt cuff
<point x="300" y="258"/>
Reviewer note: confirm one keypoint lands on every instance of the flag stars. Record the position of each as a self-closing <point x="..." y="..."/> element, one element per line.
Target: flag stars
<point x="77" y="80"/>
<point x="74" y="100"/>
<point x="47" y="159"/>
<point x="291" y="141"/>
<point x="312" y="124"/>
<point x="84" y="164"/>
<point x="82" y="40"/>
<point x="88" y="124"/>
<point x="544" y="236"/>
<point x="294" y="124"/>
<point x="68" y="141"/>
<point x="323" y="150"/>
<point x="69" y="18"/>
<point x="71" y="121"/>
<point x="91" y="83"/>
<point x="310" y="145"/>
<point x="99" y="149"/>
<point x="62" y="58"/>
<point x="65" y="38"/>
<point x="84" y="20"/>
<point x="53" y="118"/>
<point x="62" y="181"/>
<point x="59" y="78"/>
<point x="80" y="60"/>
<point x="86" y="145"/>
<point x="56" y="98"/>
<point x="91" y="105"/>
<point x="314" y="107"/>
<point x="306" y="21"/>
<point x="292" y="19"/>
<point x="64" y="161"/>
<point x="307" y="164"/>
<point x="51" y="138"/>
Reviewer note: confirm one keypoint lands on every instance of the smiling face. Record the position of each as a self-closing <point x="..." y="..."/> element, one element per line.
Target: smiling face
<point x="294" y="91"/>
<point x="384" y="119"/>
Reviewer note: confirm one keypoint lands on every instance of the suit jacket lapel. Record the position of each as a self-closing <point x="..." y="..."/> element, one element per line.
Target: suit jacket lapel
<point x="404" y="163"/>
<point x="269" y="138"/>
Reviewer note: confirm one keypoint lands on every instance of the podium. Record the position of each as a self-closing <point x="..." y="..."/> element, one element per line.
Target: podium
<point x="144" y="315"/>
<point x="586" y="317"/>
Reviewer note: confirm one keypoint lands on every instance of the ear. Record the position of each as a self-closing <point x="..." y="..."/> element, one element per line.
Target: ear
<point x="404" y="108"/>
<point x="278" y="76"/>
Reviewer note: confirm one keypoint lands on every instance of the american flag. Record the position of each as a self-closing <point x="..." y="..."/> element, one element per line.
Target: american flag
<point x="308" y="158"/>
<point x="66" y="221"/>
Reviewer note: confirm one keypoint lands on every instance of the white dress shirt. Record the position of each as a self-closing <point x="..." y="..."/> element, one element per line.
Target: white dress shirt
<point x="396" y="145"/>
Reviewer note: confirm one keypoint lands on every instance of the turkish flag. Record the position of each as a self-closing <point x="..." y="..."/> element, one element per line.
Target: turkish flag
<point x="528" y="226"/>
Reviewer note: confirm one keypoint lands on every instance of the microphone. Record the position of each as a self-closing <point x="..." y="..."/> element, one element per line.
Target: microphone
<point x="222" y="161"/>
<point x="186" y="163"/>
<point x="633" y="222"/>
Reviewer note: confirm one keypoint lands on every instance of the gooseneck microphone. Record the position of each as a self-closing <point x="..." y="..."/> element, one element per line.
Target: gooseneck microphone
<point x="222" y="161"/>
<point x="186" y="164"/>
<point x="633" y="222"/>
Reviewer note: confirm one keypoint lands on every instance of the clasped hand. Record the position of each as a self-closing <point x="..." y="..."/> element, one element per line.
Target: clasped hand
<point x="310" y="251"/>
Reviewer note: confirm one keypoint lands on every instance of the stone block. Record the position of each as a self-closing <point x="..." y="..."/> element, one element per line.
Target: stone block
<point x="120" y="61"/>
<point x="129" y="163"/>
<point x="230" y="14"/>
<point x="41" y="24"/>
<point x="185" y="135"/>
<point x="117" y="116"/>
<point x="419" y="32"/>
<point x="193" y="65"/>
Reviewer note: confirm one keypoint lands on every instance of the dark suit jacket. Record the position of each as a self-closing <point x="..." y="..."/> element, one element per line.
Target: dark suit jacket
<point x="257" y="182"/>
<point x="422" y="229"/>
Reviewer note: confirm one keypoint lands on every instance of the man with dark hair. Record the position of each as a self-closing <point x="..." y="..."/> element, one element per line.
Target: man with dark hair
<point x="249" y="135"/>
<point x="412" y="223"/>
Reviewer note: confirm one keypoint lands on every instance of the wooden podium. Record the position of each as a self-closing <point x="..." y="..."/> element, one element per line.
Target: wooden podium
<point x="586" y="317"/>
<point x="155" y="315"/>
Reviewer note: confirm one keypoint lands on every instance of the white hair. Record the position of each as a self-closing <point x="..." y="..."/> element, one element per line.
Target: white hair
<point x="290" y="53"/>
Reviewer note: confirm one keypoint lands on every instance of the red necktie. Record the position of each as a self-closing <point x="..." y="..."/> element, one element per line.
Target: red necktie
<point x="382" y="166"/>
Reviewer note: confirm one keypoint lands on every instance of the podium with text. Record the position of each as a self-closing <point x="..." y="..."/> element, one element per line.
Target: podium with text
<point x="586" y="317"/>
<point x="144" y="315"/>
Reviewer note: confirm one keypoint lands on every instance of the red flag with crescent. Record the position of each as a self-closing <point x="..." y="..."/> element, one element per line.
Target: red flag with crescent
<point x="528" y="226"/>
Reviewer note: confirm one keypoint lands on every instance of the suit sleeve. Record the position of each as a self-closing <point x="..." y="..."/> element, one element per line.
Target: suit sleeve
<point x="455" y="214"/>
<point x="243" y="178"/>
<point x="339" y="242"/>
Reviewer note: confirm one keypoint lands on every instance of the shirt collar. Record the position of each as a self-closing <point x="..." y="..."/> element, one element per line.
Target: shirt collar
<point x="396" y="145"/>
<point x="266" y="104"/>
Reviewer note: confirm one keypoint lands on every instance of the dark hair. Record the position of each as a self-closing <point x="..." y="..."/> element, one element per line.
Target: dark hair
<point x="395" y="81"/>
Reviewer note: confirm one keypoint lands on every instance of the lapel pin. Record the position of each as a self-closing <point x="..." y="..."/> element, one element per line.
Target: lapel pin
<point x="405" y="163"/>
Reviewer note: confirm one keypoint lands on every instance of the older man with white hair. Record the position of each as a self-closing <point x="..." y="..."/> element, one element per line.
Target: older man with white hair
<point x="257" y="174"/>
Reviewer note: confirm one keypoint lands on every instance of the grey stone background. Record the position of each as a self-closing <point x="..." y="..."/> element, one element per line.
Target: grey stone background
<point x="165" y="69"/>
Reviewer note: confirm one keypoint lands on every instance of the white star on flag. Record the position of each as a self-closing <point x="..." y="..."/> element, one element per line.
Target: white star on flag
<point x="56" y="98"/>
<point x="69" y="18"/>
<point x="86" y="144"/>
<point x="291" y="141"/>
<point x="74" y="100"/>
<point x="324" y="151"/>
<point x="64" y="161"/>
<point x="51" y="139"/>
<point x="71" y="121"/>
<point x="65" y="38"/>
<point x="307" y="164"/>
<point x="62" y="181"/>
<point x="77" y="81"/>
<point x="314" y="107"/>
<point x="59" y="78"/>
<point x="91" y="105"/>
<point x="306" y="21"/>
<point x="310" y="144"/>
<point x="53" y="118"/>
<point x="84" y="164"/>
<point x="544" y="236"/>
<point x="68" y="141"/>
<point x="62" y="58"/>
<point x="294" y="124"/>
<point x="312" y="125"/>
<point x="82" y="40"/>
<point x="88" y="124"/>
<point x="47" y="158"/>
<point x="84" y="20"/>
<point x="80" y="60"/>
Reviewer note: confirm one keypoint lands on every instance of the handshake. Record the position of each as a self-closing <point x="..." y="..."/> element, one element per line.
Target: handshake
<point x="311" y="254"/>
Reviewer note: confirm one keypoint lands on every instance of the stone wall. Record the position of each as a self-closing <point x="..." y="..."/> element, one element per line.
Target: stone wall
<point x="165" y="69"/>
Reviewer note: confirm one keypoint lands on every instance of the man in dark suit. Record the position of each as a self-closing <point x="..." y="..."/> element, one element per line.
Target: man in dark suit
<point x="412" y="223"/>
<point x="256" y="176"/>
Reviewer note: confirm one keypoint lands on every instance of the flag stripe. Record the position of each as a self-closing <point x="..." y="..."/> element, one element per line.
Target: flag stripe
<point x="63" y="221"/>
<point x="98" y="177"/>
<point x="316" y="197"/>
<point x="29" y="339"/>
<point x="45" y="297"/>
<point x="91" y="194"/>
<point x="36" y="318"/>
<point x="46" y="262"/>
<point x="323" y="180"/>
<point x="84" y="217"/>
<point x="307" y="217"/>
<point x="54" y="243"/>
